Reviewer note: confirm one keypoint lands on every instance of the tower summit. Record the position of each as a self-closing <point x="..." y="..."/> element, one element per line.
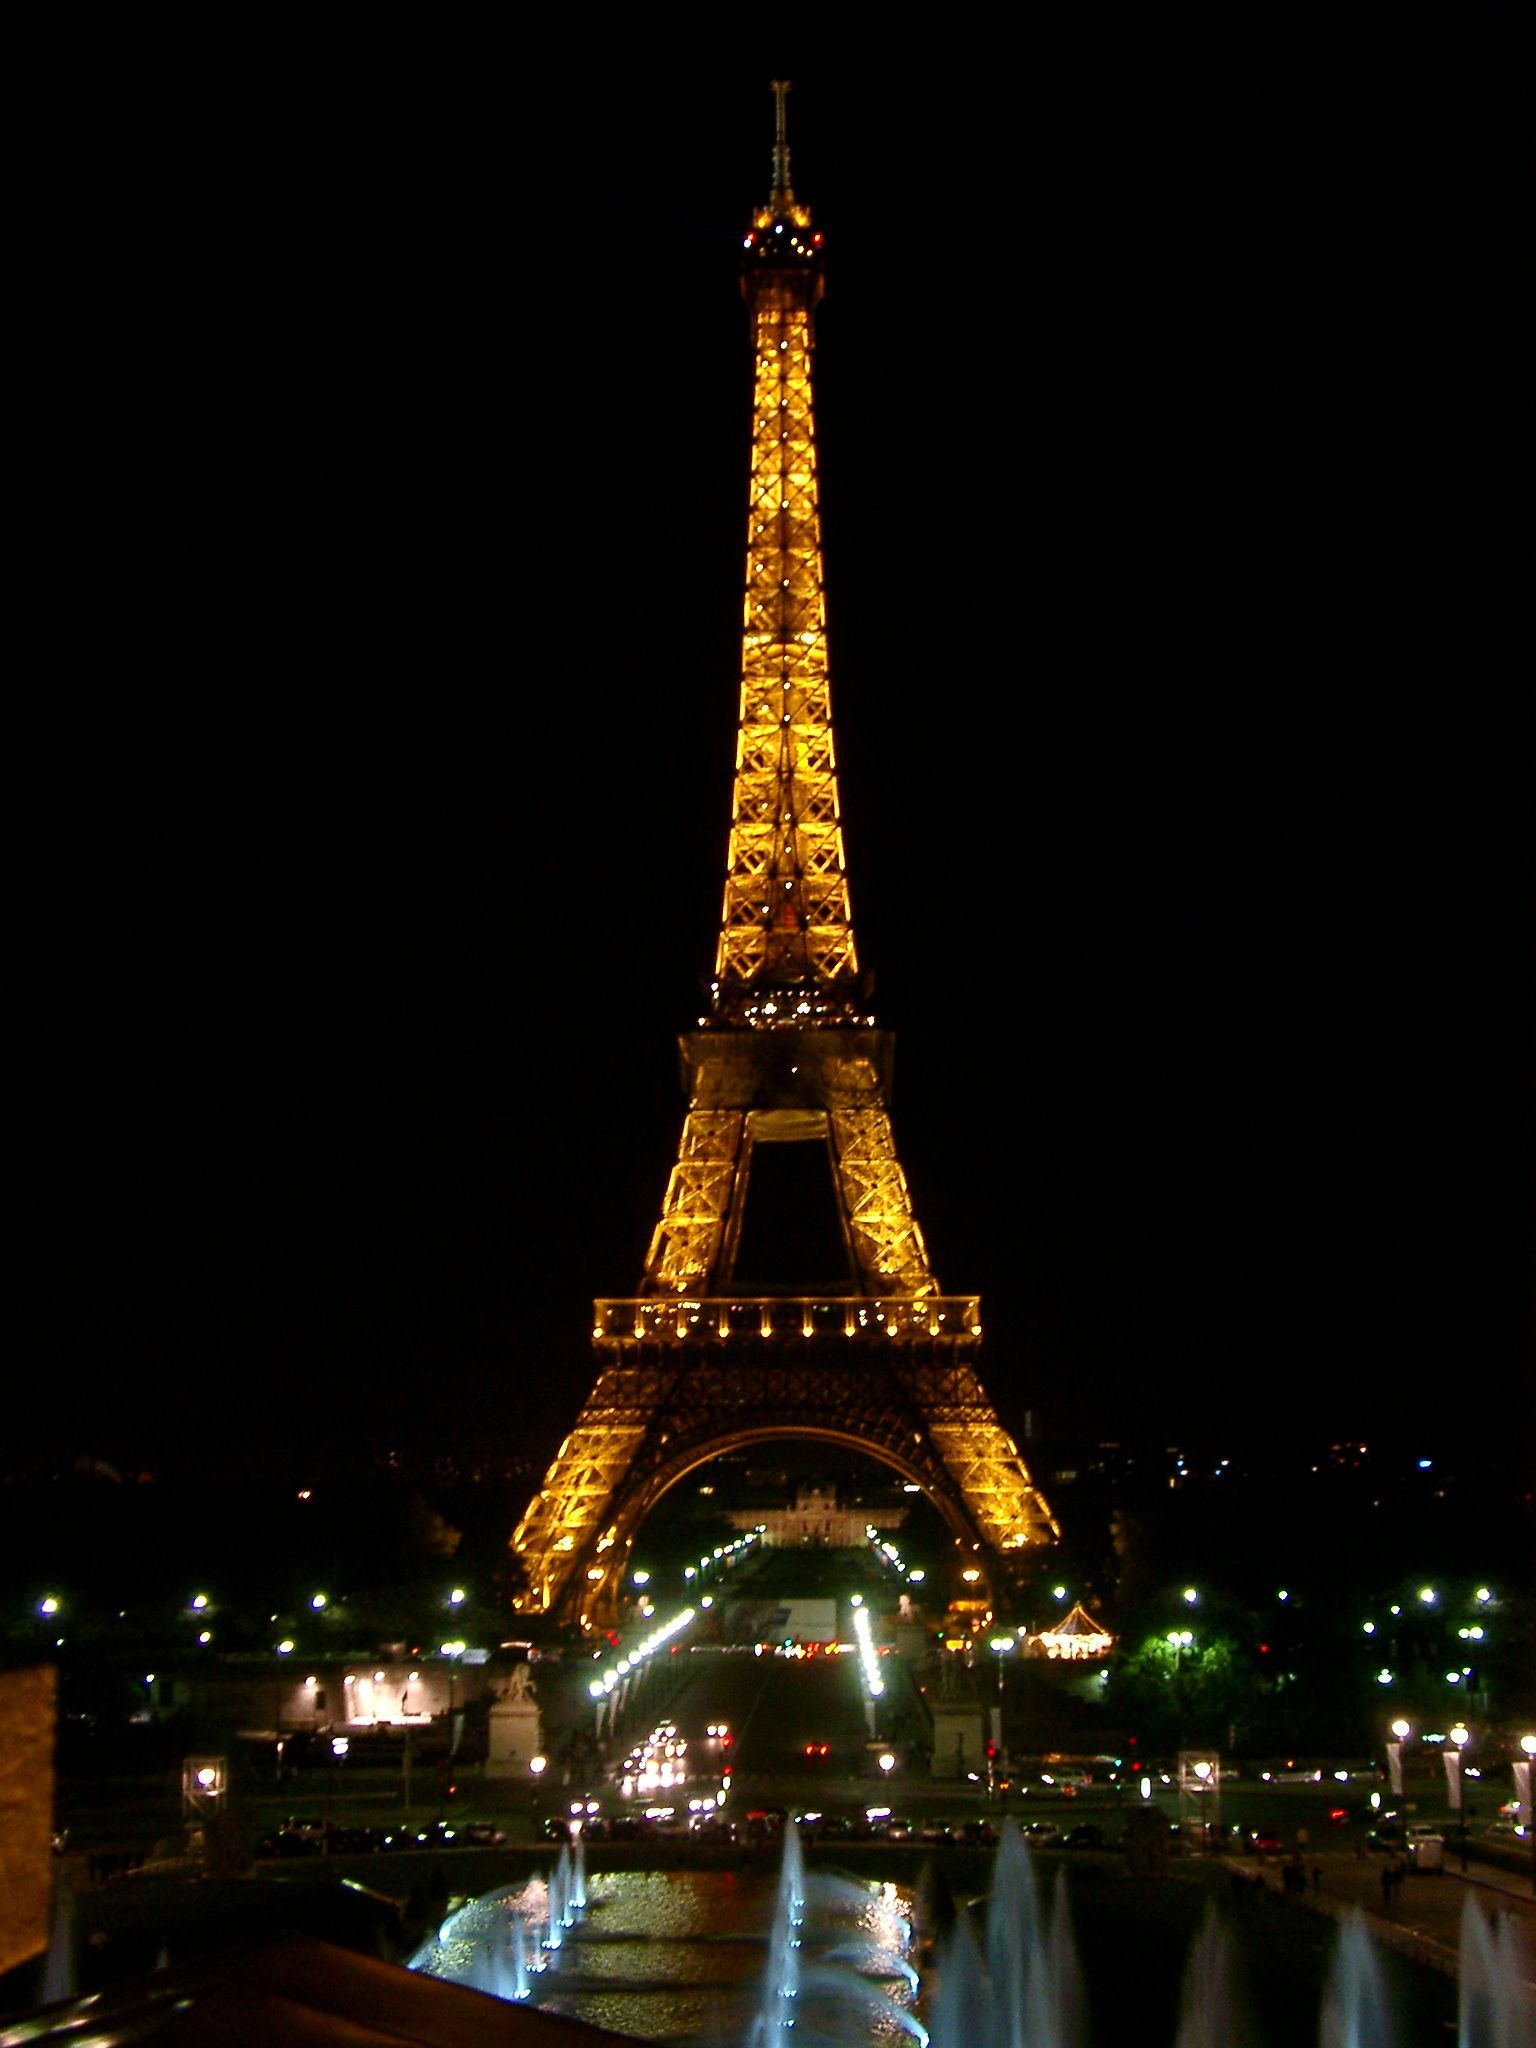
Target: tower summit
<point x="787" y="1291"/>
<point x="786" y="942"/>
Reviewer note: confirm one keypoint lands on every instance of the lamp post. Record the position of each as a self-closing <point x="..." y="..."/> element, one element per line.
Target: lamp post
<point x="1461" y="1735"/>
<point x="1179" y="1640"/>
<point x="1001" y="1645"/>
<point x="1401" y="1730"/>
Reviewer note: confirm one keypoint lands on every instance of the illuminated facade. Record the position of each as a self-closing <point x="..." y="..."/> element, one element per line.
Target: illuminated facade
<point x="701" y="1360"/>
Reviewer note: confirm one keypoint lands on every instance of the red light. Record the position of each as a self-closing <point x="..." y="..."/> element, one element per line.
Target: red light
<point x="816" y="241"/>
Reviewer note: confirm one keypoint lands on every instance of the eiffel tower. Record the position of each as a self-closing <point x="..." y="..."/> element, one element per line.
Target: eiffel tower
<point x="837" y="1331"/>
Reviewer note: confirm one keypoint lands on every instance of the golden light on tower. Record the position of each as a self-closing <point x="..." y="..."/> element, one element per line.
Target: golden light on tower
<point x="786" y="1056"/>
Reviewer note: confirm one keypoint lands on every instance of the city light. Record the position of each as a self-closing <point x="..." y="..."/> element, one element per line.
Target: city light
<point x="606" y="1682"/>
<point x="874" y="1684"/>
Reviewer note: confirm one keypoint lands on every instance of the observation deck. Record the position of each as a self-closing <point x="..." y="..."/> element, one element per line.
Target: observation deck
<point x="661" y="1321"/>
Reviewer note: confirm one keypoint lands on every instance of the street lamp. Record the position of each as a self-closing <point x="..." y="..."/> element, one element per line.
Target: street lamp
<point x="1001" y="1645"/>
<point x="1179" y="1640"/>
<point x="1461" y="1735"/>
<point x="453" y="1652"/>
<point x="1401" y="1730"/>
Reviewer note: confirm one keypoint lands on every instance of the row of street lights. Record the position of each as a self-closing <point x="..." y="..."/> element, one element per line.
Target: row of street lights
<point x="1453" y="1746"/>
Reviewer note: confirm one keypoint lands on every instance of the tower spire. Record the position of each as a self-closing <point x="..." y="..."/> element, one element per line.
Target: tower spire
<point x="782" y="196"/>
<point x="786" y="946"/>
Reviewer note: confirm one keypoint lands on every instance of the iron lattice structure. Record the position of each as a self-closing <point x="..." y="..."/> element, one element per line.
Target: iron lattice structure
<point x="883" y="1363"/>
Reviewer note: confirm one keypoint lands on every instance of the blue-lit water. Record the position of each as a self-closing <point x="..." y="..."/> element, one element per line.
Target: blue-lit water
<point x="745" y="1958"/>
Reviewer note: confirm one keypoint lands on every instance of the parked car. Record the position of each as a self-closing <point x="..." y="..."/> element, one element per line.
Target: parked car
<point x="1424" y="1847"/>
<point x="483" y="1834"/>
<point x="712" y="1827"/>
<point x="1511" y="1830"/>
<point x="1087" y="1834"/>
<point x="1265" y="1841"/>
<point x="289" y="1842"/>
<point x="1041" y="1834"/>
<point x="353" y="1841"/>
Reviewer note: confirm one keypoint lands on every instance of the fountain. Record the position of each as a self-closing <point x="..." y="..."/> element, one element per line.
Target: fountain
<point x="781" y="1980"/>
<point x="500" y="1961"/>
<point x="826" y="1960"/>
<point x="818" y="1984"/>
<point x="487" y="1944"/>
<point x="1209" y="2007"/>
<point x="1355" y="2010"/>
<point x="562" y="1903"/>
<point x="1494" y="1967"/>
<point x="1024" y="1983"/>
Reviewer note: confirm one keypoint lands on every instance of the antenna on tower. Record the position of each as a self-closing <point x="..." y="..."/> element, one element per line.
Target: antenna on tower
<point x="783" y="195"/>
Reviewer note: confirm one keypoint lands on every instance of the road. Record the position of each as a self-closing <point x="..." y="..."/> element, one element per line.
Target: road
<point x="784" y="1713"/>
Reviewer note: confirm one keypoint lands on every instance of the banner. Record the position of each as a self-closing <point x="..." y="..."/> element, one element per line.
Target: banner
<point x="1395" y="1768"/>
<point x="1523" y="1792"/>
<point x="1453" y="1778"/>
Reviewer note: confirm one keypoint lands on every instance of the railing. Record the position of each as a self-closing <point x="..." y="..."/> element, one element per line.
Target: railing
<point x="670" y="1319"/>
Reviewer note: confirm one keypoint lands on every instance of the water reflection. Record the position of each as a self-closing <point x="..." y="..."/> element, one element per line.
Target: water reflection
<point x="811" y="1958"/>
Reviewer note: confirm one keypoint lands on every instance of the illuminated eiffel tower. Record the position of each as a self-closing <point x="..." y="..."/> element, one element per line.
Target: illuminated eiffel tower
<point x="843" y="1335"/>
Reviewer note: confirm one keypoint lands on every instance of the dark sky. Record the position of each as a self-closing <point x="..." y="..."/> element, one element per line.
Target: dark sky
<point x="382" y="434"/>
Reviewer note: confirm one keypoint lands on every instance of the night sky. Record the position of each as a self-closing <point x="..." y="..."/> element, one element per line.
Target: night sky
<point x="382" y="420"/>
